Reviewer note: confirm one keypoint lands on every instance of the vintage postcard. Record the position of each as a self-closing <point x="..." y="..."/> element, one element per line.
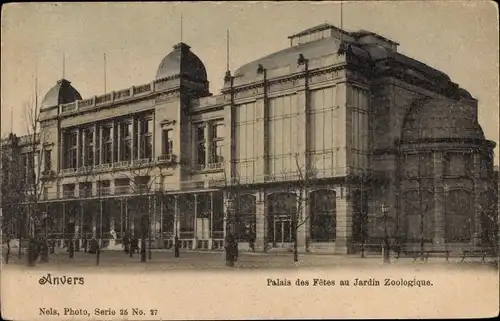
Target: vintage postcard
<point x="244" y="160"/>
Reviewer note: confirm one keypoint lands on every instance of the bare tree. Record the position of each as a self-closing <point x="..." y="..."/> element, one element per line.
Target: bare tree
<point x="141" y="185"/>
<point x="12" y="194"/>
<point x="300" y="180"/>
<point x="35" y="141"/>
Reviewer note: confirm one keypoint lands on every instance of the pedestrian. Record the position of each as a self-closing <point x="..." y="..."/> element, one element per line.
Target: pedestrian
<point x="251" y="241"/>
<point x="126" y="243"/>
<point x="176" y="246"/>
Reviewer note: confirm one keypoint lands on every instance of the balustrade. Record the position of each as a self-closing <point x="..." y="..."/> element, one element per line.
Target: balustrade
<point x="103" y="191"/>
<point x="86" y="103"/>
<point x="102" y="99"/>
<point x="122" y="189"/>
<point x="142" y="89"/>
<point x="66" y="108"/>
<point x="69" y="194"/>
<point x="122" y="94"/>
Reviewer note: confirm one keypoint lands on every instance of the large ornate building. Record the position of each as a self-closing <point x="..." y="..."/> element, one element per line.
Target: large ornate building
<point x="335" y="141"/>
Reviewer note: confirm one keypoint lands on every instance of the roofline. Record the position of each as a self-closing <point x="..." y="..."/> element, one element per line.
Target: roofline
<point x="371" y="33"/>
<point x="318" y="28"/>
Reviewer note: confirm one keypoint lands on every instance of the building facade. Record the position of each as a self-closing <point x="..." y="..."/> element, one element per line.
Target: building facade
<point x="333" y="142"/>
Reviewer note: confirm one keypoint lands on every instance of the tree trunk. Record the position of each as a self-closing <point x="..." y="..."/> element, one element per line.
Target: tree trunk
<point x="295" y="242"/>
<point x="71" y="248"/>
<point x="8" y="251"/>
<point x="19" y="249"/>
<point x="98" y="254"/>
<point x="149" y="247"/>
<point x="143" y="249"/>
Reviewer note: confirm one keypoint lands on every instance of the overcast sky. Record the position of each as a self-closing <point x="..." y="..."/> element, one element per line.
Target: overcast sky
<point x="458" y="38"/>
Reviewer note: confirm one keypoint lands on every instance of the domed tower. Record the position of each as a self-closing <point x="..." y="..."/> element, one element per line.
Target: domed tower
<point x="61" y="93"/>
<point x="445" y="166"/>
<point x="181" y="67"/>
<point x="181" y="79"/>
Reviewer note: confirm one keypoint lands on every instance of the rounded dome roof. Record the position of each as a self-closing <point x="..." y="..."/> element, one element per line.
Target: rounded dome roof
<point x="182" y="61"/>
<point x="61" y="93"/>
<point x="437" y="119"/>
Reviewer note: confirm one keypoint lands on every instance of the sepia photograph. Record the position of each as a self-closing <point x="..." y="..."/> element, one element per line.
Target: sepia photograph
<point x="242" y="160"/>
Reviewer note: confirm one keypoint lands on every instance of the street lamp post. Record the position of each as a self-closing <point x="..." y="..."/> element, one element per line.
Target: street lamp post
<point x="231" y="246"/>
<point x="45" y="249"/>
<point x="387" y="259"/>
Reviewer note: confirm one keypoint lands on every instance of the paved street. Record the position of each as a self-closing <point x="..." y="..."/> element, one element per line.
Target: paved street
<point x="165" y="260"/>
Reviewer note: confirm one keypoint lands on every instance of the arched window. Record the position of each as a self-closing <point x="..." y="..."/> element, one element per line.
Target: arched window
<point x="458" y="216"/>
<point x="418" y="209"/>
<point x="245" y="217"/>
<point x="282" y="208"/>
<point x="323" y="215"/>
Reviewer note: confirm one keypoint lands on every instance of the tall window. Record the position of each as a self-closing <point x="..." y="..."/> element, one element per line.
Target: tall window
<point x="30" y="168"/>
<point x="88" y="147"/>
<point x="323" y="219"/>
<point x="200" y="145"/>
<point x="146" y="138"/>
<point x="126" y="141"/>
<point x="24" y="166"/>
<point x="107" y="145"/>
<point x="323" y="120"/>
<point x="168" y="141"/>
<point x="73" y="145"/>
<point x="284" y="139"/>
<point x="245" y="137"/>
<point x="69" y="147"/>
<point x="48" y="160"/>
<point x="217" y="138"/>
<point x="97" y="155"/>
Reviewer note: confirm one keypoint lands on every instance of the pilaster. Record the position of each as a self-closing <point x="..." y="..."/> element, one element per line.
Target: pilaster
<point x="62" y="152"/>
<point x="210" y="237"/>
<point x="139" y="143"/>
<point x="478" y="189"/>
<point x="206" y="130"/>
<point x="260" y="222"/>
<point x="83" y="160"/>
<point x="195" y="236"/>
<point x="302" y="212"/>
<point x="439" y="201"/>
<point x="78" y="148"/>
<point x="344" y="210"/>
<point x="94" y="148"/>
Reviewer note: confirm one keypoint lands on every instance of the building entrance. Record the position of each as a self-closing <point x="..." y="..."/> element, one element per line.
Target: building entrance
<point x="283" y="235"/>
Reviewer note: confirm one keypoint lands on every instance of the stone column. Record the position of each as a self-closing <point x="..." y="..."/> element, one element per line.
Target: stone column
<point x="478" y="189"/>
<point x="79" y="226"/>
<point x="132" y="140"/>
<point x="343" y="242"/>
<point x="176" y="217"/>
<point x="121" y="218"/>
<point x="260" y="221"/>
<point x="84" y="152"/>
<point x="116" y="143"/>
<point x="63" y="224"/>
<point x="94" y="149"/>
<point x="195" y="225"/>
<point x="94" y="223"/>
<point x="438" y="239"/>
<point x="100" y="146"/>
<point x="139" y="143"/>
<point x="162" y="242"/>
<point x="62" y="152"/>
<point x="78" y="143"/>
<point x="210" y="237"/>
<point x="208" y="143"/>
